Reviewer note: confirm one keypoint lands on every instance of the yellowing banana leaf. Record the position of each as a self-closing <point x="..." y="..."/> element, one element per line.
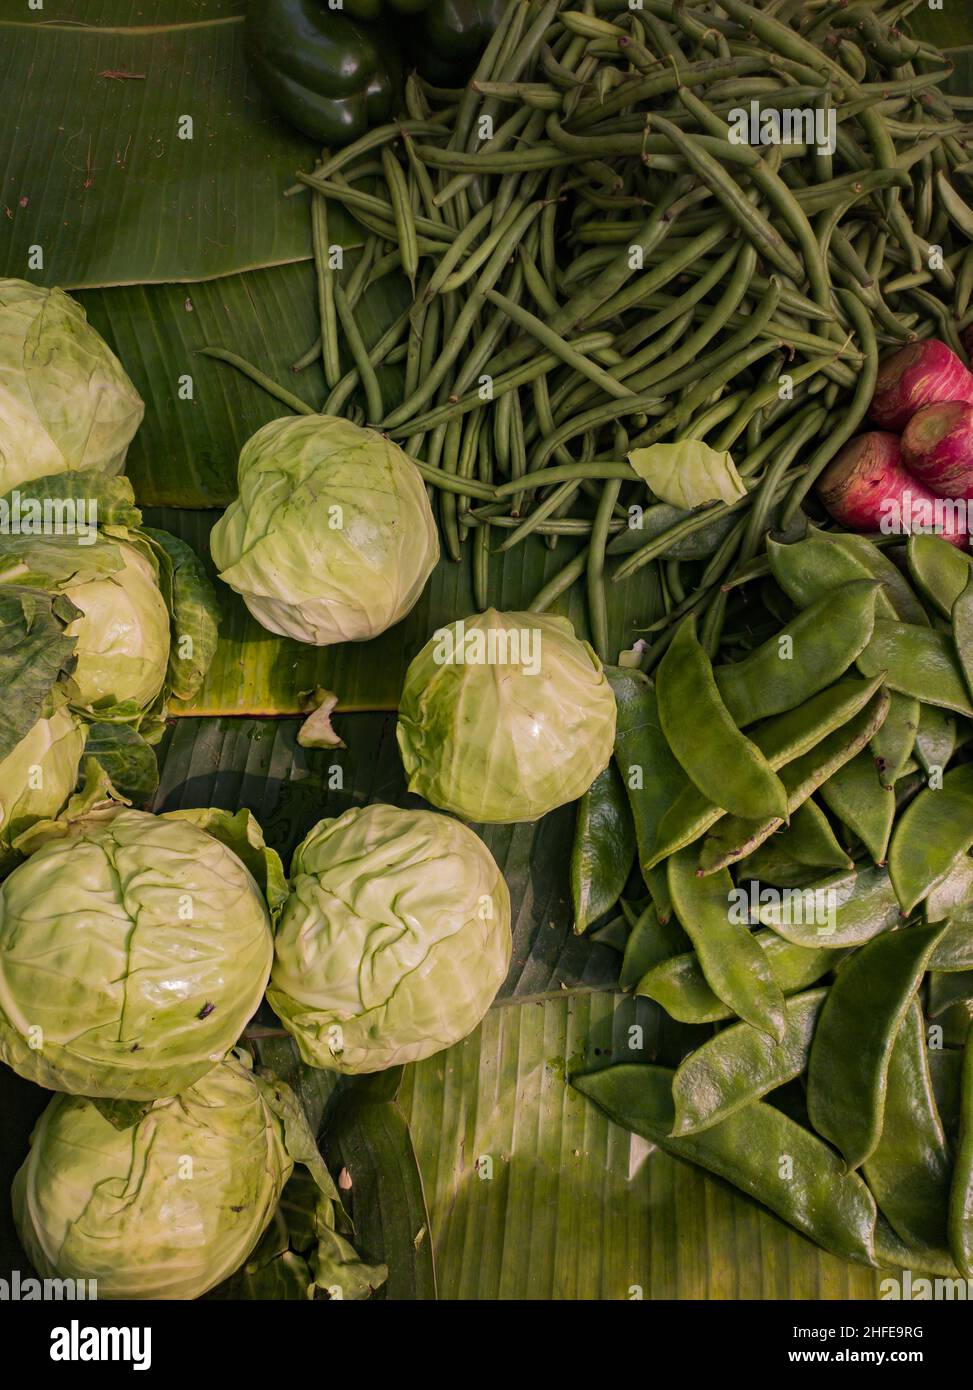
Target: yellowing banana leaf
<point x="534" y="1195"/>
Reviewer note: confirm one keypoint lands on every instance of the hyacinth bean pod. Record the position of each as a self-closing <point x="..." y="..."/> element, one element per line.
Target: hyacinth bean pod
<point x="961" y="1190"/>
<point x="842" y="910"/>
<point x="604" y="846"/>
<point x="741" y="1064"/>
<point x="856" y="794"/>
<point x="708" y="742"/>
<point x="909" y="1169"/>
<point x="917" y="661"/>
<point x="935" y="828"/>
<point x="680" y="986"/>
<point x="734" y="837"/>
<point x="851" y="1053"/>
<point x="816" y="1196"/>
<point x="786" y="737"/>
<point x="808" y="654"/>
<point x="732" y="962"/>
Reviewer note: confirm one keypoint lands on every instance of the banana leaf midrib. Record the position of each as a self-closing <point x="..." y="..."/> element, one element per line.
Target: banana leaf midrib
<point x="123" y="30"/>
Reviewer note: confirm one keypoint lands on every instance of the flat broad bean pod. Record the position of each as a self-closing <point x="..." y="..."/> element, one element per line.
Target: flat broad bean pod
<point x="732" y="963"/>
<point x="909" y="1169"/>
<point x="741" y="1064"/>
<point x="829" y="1205"/>
<point x="781" y="740"/>
<point x="850" y="1057"/>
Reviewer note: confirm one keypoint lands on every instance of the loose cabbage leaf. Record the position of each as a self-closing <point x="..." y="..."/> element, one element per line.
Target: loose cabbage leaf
<point x="274" y="1270"/>
<point x="97" y="796"/>
<point x="317" y="731"/>
<point x="335" y="1264"/>
<point x="35" y="656"/>
<point x="688" y="473"/>
<point x="127" y="759"/>
<point x="195" y="614"/>
<point x="113" y="496"/>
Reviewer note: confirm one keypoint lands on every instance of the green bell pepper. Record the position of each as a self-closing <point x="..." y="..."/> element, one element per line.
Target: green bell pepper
<point x="450" y="35"/>
<point x="334" y="73"/>
<point x="328" y="75"/>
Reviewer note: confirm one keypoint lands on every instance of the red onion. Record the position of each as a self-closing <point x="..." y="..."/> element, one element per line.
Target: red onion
<point x="937" y="447"/>
<point x="866" y="488"/>
<point x="918" y="375"/>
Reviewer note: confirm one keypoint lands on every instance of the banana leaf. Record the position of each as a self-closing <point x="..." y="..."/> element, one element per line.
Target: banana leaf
<point x="141" y="152"/>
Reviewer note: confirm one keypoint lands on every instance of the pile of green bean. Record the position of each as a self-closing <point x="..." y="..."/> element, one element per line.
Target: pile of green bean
<point x="825" y="775"/>
<point x="587" y="263"/>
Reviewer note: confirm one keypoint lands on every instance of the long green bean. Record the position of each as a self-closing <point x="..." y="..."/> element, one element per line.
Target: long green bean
<point x="454" y="343"/>
<point x="596" y="265"/>
<point x="851" y="417"/>
<point x="356" y="346"/>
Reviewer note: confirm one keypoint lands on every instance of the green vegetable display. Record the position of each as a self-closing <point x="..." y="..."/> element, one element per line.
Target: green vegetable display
<point x="505" y="716"/>
<point x="394" y="939"/>
<point x="133" y="950"/>
<point x="166" y="1208"/>
<point x="332" y="538"/>
<point x="65" y="401"/>
<point x="889" y="943"/>
<point x="588" y="228"/>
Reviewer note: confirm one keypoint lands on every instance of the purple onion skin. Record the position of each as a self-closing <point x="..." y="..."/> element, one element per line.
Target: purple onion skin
<point x="915" y="376"/>
<point x="868" y="475"/>
<point x="937" y="448"/>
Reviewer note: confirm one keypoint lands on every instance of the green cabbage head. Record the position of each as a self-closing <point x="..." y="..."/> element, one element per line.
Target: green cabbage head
<point x="332" y="537"/>
<point x="394" y="940"/>
<point x="167" y="1208"/>
<point x="505" y="716"/>
<point x="123" y="633"/>
<point x="39" y="774"/>
<point x="65" y="401"/>
<point x="133" y="950"/>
